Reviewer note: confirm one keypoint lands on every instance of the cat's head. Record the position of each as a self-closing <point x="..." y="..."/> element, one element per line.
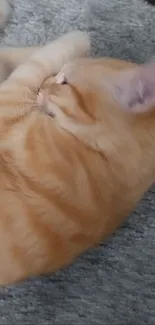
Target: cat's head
<point x="87" y="88"/>
<point x="92" y="93"/>
<point x="71" y="92"/>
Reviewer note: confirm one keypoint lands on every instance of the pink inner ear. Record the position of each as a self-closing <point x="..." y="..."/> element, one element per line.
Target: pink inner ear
<point x="134" y="88"/>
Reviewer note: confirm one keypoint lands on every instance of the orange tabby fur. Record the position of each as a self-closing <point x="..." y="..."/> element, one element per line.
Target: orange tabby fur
<point x="27" y="182"/>
<point x="66" y="182"/>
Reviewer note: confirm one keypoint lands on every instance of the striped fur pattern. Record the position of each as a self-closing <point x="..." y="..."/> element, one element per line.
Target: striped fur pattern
<point x="73" y="160"/>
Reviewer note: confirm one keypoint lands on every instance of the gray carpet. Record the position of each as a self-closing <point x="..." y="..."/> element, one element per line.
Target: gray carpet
<point x="113" y="284"/>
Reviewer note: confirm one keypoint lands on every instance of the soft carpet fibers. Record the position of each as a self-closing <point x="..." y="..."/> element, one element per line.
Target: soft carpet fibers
<point x="113" y="284"/>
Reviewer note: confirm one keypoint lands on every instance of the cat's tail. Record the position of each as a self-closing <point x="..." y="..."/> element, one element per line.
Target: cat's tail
<point x="5" y="11"/>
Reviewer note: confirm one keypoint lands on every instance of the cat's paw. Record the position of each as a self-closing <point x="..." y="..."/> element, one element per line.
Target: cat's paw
<point x="5" y="11"/>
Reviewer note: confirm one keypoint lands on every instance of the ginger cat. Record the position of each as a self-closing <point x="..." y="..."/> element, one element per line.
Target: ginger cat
<point x="30" y="221"/>
<point x="75" y="157"/>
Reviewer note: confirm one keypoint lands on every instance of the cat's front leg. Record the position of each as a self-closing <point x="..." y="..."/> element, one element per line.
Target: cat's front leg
<point x="12" y="57"/>
<point x="48" y="61"/>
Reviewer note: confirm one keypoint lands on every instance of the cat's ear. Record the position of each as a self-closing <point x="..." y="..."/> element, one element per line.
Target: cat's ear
<point x="134" y="88"/>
